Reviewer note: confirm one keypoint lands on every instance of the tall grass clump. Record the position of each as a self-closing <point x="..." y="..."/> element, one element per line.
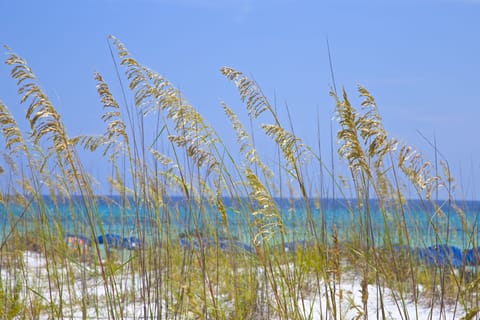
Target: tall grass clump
<point x="193" y="228"/>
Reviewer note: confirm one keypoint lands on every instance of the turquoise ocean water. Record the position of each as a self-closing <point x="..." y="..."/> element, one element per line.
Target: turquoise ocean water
<point x="456" y="225"/>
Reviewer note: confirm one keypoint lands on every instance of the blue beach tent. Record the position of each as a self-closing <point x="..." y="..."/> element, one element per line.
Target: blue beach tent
<point x="112" y="240"/>
<point x="187" y="244"/>
<point x="440" y="256"/>
<point x="472" y="257"/>
<point x="118" y="242"/>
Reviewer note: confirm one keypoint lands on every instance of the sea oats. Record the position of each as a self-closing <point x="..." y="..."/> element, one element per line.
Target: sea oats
<point x="14" y="140"/>
<point x="250" y="92"/>
<point x="154" y="93"/>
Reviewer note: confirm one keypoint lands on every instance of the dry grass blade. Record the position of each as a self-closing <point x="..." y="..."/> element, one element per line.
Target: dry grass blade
<point x="115" y="137"/>
<point x="116" y="127"/>
<point x="365" y="142"/>
<point x="246" y="143"/>
<point x="351" y="148"/>
<point x="41" y="114"/>
<point x="377" y="143"/>
<point x="417" y="170"/>
<point x="11" y="163"/>
<point x="250" y="92"/>
<point x="291" y="146"/>
<point x="153" y="92"/>
<point x="372" y="130"/>
<point x="44" y="120"/>
<point x="14" y="140"/>
<point x="257" y="103"/>
<point x="146" y="89"/>
<point x="267" y="217"/>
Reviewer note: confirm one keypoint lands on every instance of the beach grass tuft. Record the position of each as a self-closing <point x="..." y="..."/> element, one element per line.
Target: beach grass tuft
<point x="194" y="228"/>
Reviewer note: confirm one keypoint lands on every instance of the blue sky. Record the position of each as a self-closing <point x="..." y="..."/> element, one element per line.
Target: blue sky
<point x="420" y="59"/>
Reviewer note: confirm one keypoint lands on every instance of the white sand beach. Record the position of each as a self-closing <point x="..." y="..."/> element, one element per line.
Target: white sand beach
<point x="88" y="283"/>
